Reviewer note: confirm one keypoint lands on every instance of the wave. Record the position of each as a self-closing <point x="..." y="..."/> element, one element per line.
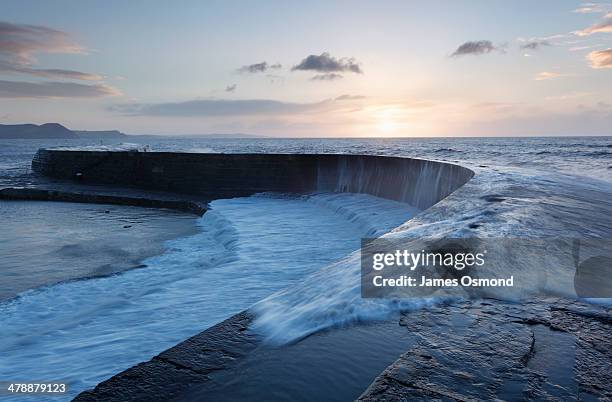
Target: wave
<point x="439" y="150"/>
<point x="248" y="248"/>
<point x="375" y="216"/>
<point x="332" y="296"/>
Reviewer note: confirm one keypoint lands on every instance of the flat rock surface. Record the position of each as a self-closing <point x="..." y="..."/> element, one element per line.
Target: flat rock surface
<point x="548" y="349"/>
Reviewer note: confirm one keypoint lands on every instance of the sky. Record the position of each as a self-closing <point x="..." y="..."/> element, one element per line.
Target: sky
<point x="310" y="69"/>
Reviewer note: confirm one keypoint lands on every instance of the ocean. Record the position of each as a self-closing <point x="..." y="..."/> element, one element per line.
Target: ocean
<point x="292" y="258"/>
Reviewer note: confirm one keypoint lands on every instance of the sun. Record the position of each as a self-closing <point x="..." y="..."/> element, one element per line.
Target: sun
<point x="386" y="120"/>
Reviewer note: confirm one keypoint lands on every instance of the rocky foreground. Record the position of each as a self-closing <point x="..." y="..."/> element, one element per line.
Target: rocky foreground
<point x="545" y="349"/>
<point x="550" y="349"/>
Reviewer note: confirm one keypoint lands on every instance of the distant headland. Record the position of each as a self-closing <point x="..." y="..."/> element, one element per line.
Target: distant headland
<point x="52" y="130"/>
<point x="58" y="131"/>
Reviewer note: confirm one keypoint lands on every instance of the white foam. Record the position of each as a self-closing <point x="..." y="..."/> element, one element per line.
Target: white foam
<point x="123" y="146"/>
<point x="332" y="296"/>
<point x="374" y="215"/>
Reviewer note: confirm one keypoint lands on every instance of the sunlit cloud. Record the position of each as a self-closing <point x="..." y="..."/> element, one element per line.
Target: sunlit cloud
<point x="580" y="48"/>
<point x="23" y="41"/>
<point x="548" y="75"/>
<point x="20" y="43"/>
<point x="604" y="26"/>
<point x="569" y="96"/>
<point x="600" y="58"/>
<point x="591" y="8"/>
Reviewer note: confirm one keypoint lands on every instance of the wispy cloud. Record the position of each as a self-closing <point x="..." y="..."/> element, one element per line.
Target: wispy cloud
<point x="230" y="88"/>
<point x="19" y="89"/>
<point x="569" y="96"/>
<point x="548" y="75"/>
<point x="23" y="41"/>
<point x="348" y="97"/>
<point x="591" y="8"/>
<point x="16" y="68"/>
<point x="474" y="48"/>
<point x="604" y="26"/>
<point x="535" y="44"/>
<point x="259" y="67"/>
<point x="326" y="63"/>
<point x="20" y="43"/>
<point x="327" y="77"/>
<point x="579" y="48"/>
<point x="216" y="107"/>
<point x="600" y="58"/>
<point x="243" y="107"/>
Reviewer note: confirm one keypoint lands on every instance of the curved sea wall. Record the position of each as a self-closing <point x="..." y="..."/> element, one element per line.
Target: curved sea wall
<point x="420" y="183"/>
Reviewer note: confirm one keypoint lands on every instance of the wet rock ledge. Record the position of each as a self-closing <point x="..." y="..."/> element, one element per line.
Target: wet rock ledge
<point x="543" y="350"/>
<point x="34" y="194"/>
<point x="546" y="349"/>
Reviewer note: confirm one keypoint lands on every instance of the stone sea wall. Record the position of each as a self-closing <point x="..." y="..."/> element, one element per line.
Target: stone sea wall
<point x="418" y="182"/>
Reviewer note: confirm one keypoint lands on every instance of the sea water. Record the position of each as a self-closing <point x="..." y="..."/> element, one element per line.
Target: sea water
<point x="534" y="187"/>
<point x="84" y="331"/>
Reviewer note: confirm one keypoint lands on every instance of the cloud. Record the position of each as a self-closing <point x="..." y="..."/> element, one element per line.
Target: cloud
<point x="548" y="75"/>
<point x="217" y="107"/>
<point x="601" y="58"/>
<point x="20" y="89"/>
<point x="259" y="67"/>
<point x="230" y="88"/>
<point x="7" y="67"/>
<point x="19" y="43"/>
<point x="603" y="26"/>
<point x="347" y="97"/>
<point x="474" y="48"/>
<point x="535" y="44"/>
<point x="589" y="8"/>
<point x="325" y="63"/>
<point x="579" y="48"/>
<point x="327" y="77"/>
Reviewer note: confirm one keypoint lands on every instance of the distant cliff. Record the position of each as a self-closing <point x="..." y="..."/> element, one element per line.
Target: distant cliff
<point x="27" y="131"/>
<point x="104" y="135"/>
<point x="56" y="130"/>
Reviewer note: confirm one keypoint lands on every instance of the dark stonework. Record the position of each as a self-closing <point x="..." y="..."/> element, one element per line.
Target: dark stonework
<point x="189" y="363"/>
<point x="33" y="194"/>
<point x="418" y="182"/>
